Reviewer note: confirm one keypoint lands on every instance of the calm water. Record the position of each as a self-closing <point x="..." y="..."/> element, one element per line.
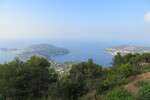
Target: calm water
<point x="83" y="51"/>
<point x="79" y="50"/>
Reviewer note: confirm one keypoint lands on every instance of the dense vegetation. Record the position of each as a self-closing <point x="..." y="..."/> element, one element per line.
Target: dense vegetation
<point x="35" y="79"/>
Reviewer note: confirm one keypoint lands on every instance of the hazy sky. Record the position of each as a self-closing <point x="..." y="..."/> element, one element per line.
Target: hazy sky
<point x="75" y="19"/>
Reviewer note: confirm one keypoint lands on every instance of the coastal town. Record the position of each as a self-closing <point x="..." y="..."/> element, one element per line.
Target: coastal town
<point x="124" y="49"/>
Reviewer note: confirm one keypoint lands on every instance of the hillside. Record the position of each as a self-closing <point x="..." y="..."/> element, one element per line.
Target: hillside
<point x="124" y="49"/>
<point x="126" y="79"/>
<point x="131" y="87"/>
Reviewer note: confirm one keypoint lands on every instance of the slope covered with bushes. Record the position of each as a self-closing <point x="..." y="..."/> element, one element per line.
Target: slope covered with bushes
<point x="35" y="79"/>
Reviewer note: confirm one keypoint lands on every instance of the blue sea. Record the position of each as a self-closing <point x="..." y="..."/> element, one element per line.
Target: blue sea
<point x="79" y="50"/>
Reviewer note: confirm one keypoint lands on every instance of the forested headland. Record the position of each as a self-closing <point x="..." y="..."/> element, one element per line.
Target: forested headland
<point x="35" y="79"/>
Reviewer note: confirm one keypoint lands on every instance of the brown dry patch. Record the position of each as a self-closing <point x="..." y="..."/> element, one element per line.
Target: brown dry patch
<point x="91" y="96"/>
<point x="88" y="96"/>
<point x="131" y="87"/>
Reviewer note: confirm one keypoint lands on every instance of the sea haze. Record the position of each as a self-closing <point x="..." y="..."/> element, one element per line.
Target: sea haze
<point x="79" y="50"/>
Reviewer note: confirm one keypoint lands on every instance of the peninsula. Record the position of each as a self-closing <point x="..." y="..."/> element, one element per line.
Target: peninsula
<point x="124" y="49"/>
<point x="40" y="50"/>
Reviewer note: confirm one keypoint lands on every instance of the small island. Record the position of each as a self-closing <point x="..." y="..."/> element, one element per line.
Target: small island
<point x="124" y="49"/>
<point x="40" y="50"/>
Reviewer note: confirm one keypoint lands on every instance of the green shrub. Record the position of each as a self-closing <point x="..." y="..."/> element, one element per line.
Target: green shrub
<point x="119" y="95"/>
<point x="144" y="93"/>
<point x="66" y="90"/>
<point x="145" y="68"/>
<point x="125" y="70"/>
<point x="113" y="80"/>
<point x="141" y="83"/>
<point x="110" y="82"/>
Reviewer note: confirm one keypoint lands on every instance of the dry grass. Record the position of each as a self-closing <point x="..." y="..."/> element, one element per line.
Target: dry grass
<point x="91" y="96"/>
<point x="130" y="87"/>
<point x="88" y="96"/>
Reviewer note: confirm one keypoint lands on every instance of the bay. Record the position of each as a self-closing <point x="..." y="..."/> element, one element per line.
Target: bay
<point x="79" y="50"/>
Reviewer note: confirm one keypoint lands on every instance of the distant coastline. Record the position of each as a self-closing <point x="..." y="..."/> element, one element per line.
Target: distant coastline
<point x="124" y="49"/>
